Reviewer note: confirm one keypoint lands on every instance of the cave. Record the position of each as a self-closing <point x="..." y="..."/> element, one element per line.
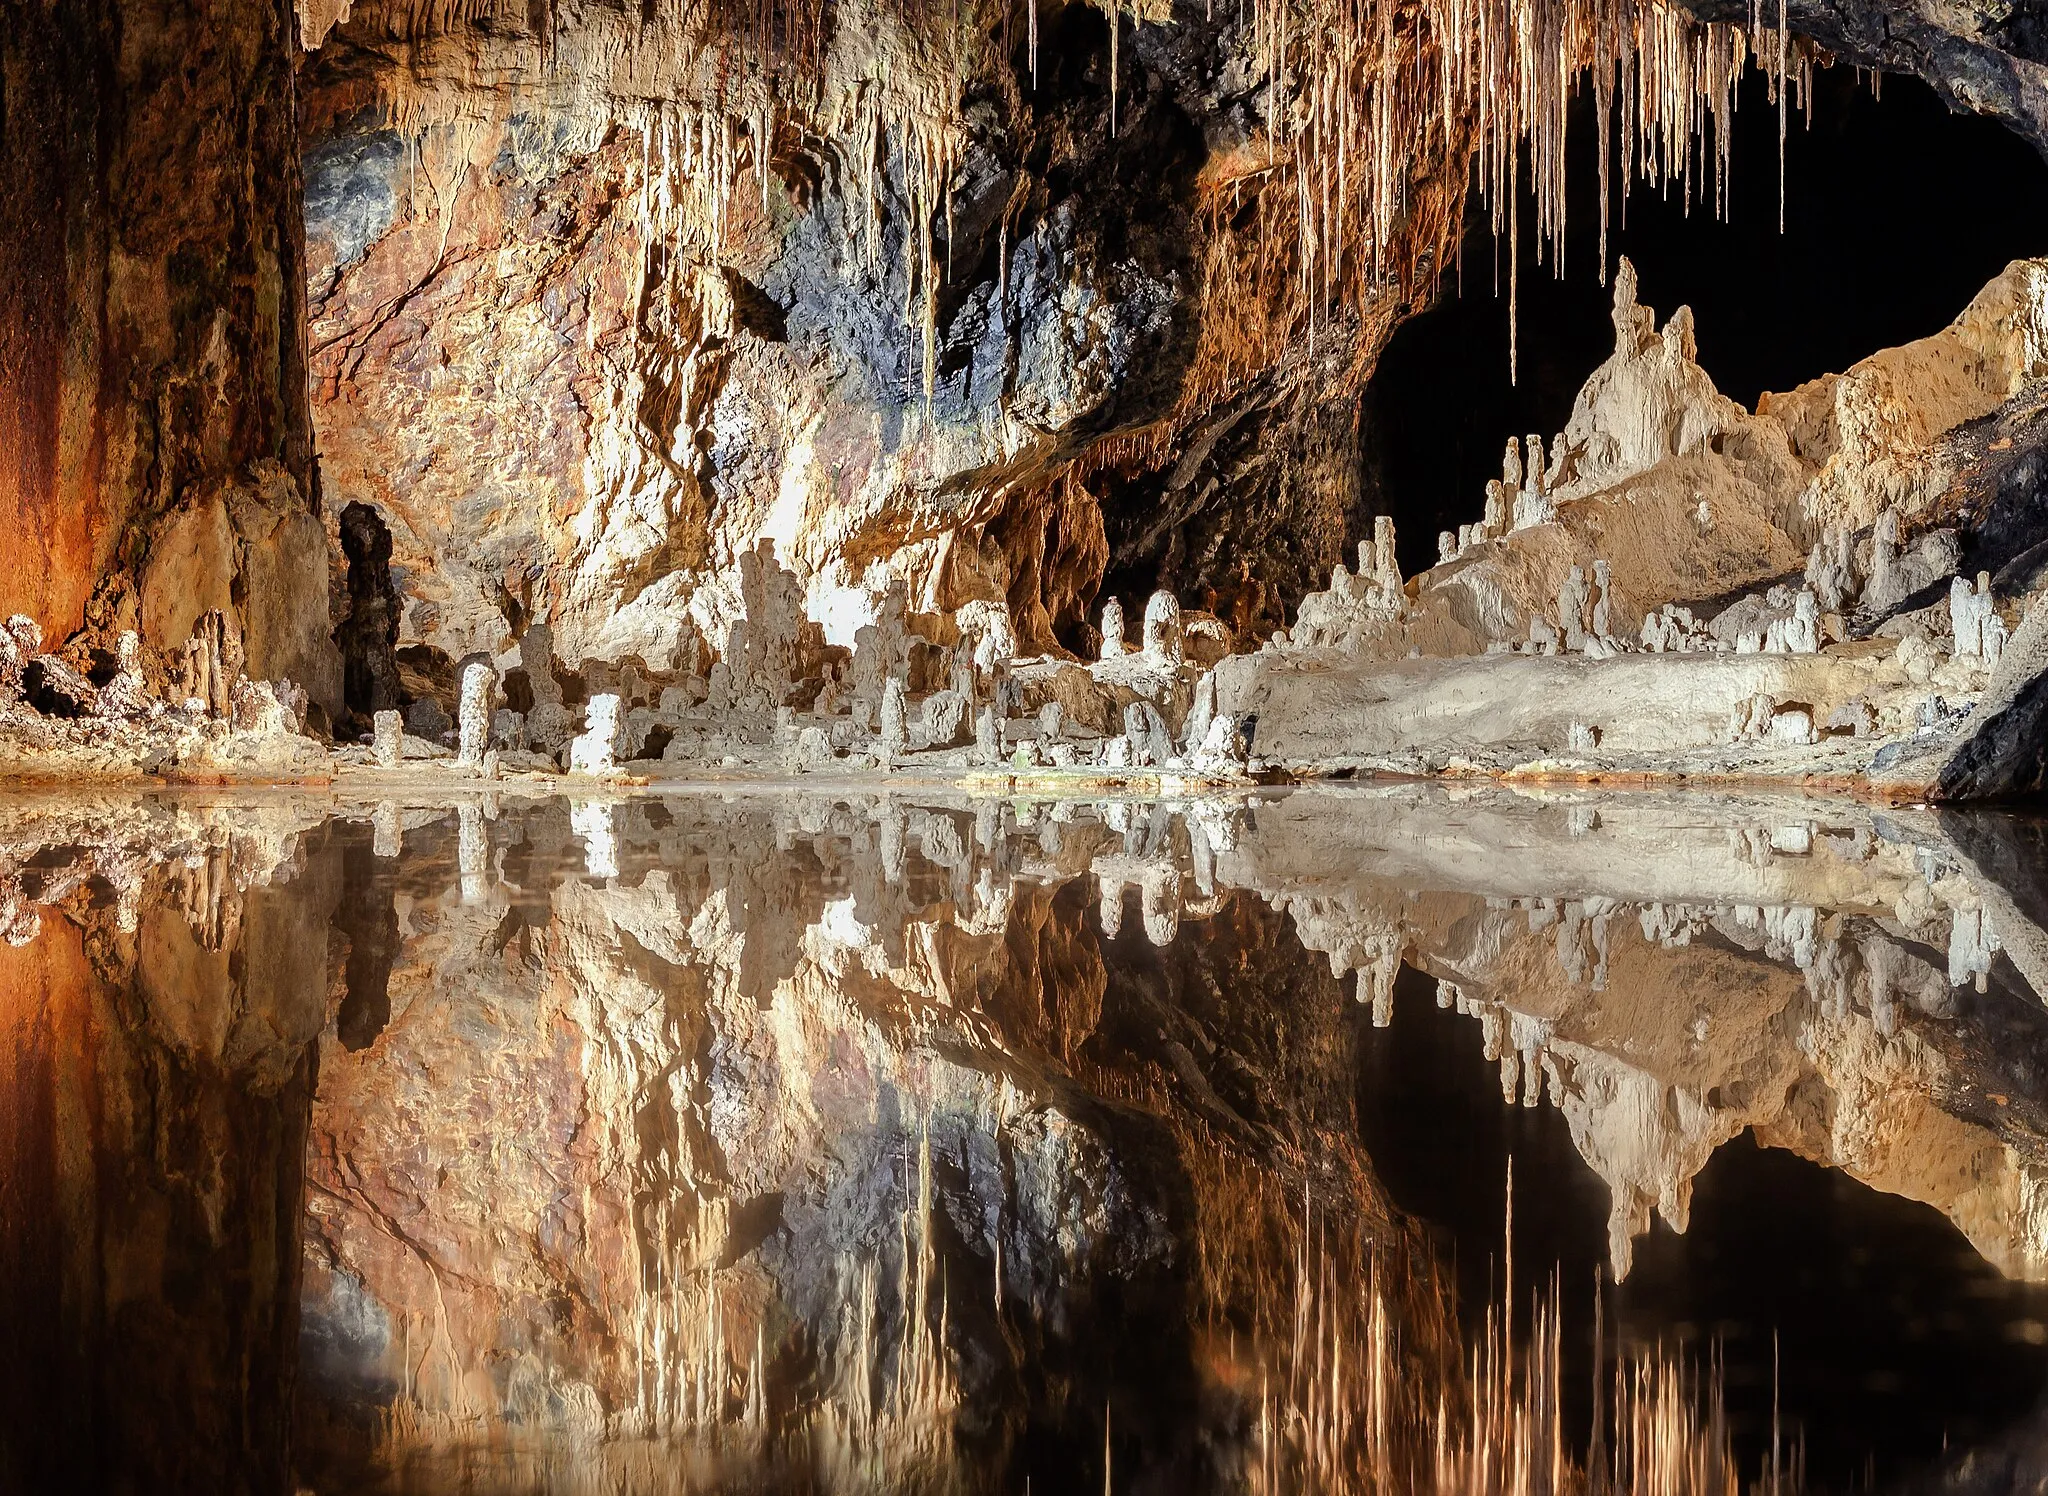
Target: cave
<point x="798" y="392"/>
<point x="837" y="745"/>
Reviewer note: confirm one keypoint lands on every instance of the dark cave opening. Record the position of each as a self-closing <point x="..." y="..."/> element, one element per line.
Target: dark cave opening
<point x="1896" y="214"/>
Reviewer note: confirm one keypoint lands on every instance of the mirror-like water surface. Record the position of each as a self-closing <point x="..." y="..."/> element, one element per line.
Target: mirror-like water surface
<point x="694" y="1142"/>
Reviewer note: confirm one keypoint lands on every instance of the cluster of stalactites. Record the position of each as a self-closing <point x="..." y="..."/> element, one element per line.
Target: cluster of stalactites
<point x="1359" y="92"/>
<point x="1358" y="87"/>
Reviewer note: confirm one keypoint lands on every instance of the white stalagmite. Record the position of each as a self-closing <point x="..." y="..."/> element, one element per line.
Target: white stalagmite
<point x="594" y="752"/>
<point x="1112" y="630"/>
<point x="1971" y="610"/>
<point x="1162" y="629"/>
<point x="473" y="711"/>
<point x="388" y="744"/>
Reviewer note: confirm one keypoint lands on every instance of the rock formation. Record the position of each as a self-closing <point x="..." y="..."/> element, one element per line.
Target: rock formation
<point x="595" y="750"/>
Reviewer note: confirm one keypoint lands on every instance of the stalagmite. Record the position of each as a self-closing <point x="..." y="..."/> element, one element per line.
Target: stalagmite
<point x="881" y="649"/>
<point x="1801" y="632"/>
<point x="895" y="737"/>
<point x="1109" y="905"/>
<point x="1969" y="610"/>
<point x="1112" y="630"/>
<point x="1572" y="598"/>
<point x="1162" y="636"/>
<point x="473" y="712"/>
<point x="1831" y="568"/>
<point x="213" y="659"/>
<point x="127" y="693"/>
<point x="988" y="737"/>
<point x="472" y="851"/>
<point x="1159" y="903"/>
<point x="595" y="750"/>
<point x="1222" y="750"/>
<point x="945" y="717"/>
<point x="1386" y="566"/>
<point x="1884" y="552"/>
<point x="1603" y="580"/>
<point x="1196" y="728"/>
<point x="389" y="746"/>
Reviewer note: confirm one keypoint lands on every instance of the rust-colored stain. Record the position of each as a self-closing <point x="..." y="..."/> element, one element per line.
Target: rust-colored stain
<point x="51" y="264"/>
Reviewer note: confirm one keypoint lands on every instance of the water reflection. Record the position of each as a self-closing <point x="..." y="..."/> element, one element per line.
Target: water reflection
<point x="699" y="1142"/>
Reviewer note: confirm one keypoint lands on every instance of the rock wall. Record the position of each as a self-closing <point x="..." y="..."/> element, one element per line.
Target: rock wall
<point x="155" y="446"/>
<point x="945" y="324"/>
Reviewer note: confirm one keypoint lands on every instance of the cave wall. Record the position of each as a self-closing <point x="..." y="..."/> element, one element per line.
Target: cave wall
<point x="1010" y="303"/>
<point x="957" y="331"/>
<point x="156" y="455"/>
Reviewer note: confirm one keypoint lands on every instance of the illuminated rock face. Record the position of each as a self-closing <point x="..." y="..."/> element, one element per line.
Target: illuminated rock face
<point x="888" y="352"/>
<point x="155" y="446"/>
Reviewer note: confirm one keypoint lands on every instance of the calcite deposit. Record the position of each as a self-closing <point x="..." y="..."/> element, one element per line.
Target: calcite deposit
<point x="1780" y="563"/>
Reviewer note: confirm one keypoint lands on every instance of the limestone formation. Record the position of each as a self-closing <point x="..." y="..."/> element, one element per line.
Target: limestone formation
<point x="479" y="684"/>
<point x="254" y="708"/>
<point x="1673" y="630"/>
<point x="212" y="661"/>
<point x="1162" y="637"/>
<point x="1970" y="611"/>
<point x="1831" y="569"/>
<point x="127" y="693"/>
<point x="390" y="731"/>
<point x="894" y="733"/>
<point x="1112" y="629"/>
<point x="595" y="750"/>
<point x="1145" y="735"/>
<point x="1195" y="730"/>
<point x="1573" y="600"/>
<point x="944" y="720"/>
<point x="881" y="649"/>
<point x="1221" y="752"/>
<point x="549" y="722"/>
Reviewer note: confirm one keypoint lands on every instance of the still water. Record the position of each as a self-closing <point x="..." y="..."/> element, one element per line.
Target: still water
<point x="1402" y="1139"/>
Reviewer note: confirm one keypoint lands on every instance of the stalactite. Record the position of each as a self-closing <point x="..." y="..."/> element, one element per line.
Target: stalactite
<point x="1358" y="94"/>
